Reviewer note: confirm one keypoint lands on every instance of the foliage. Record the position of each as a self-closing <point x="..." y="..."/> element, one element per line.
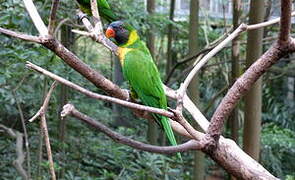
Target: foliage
<point x="278" y="150"/>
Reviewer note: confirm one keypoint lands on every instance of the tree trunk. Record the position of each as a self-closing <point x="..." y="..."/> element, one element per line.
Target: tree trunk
<point x="67" y="39"/>
<point x="152" y="133"/>
<point x="199" y="158"/>
<point x="170" y="38"/>
<point x="291" y="86"/>
<point x="234" y="117"/>
<point x="252" y="124"/>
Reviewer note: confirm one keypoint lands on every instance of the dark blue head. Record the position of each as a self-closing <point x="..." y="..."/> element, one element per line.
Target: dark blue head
<point x="119" y="31"/>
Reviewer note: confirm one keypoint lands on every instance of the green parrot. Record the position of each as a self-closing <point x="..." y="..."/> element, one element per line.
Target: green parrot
<point x="137" y="64"/>
<point x="140" y="71"/>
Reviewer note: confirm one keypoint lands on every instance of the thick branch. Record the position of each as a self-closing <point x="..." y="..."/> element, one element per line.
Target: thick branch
<point x="190" y="145"/>
<point x="236" y="162"/>
<point x="240" y="87"/>
<point x="93" y="76"/>
<point x="228" y="154"/>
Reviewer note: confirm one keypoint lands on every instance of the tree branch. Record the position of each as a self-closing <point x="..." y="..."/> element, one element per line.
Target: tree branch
<point x="233" y="35"/>
<point x="39" y="24"/>
<point x="97" y="34"/>
<point x="44" y="107"/>
<point x="44" y="130"/>
<point x="176" y="126"/>
<point x="20" y="35"/>
<point x="190" y="107"/>
<point x="190" y="145"/>
<point x="52" y="18"/>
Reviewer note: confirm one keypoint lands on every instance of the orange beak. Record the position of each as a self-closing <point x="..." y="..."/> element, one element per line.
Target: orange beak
<point x="110" y="33"/>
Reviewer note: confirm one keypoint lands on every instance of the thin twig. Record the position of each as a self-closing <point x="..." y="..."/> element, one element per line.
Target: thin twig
<point x="20" y="35"/>
<point x="84" y="33"/>
<point x="69" y="109"/>
<point x="265" y="24"/>
<point x="62" y="22"/>
<point x="52" y="18"/>
<point x="43" y="108"/>
<point x="44" y="128"/>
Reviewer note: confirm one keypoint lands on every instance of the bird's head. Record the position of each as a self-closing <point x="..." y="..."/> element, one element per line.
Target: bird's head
<point x="119" y="31"/>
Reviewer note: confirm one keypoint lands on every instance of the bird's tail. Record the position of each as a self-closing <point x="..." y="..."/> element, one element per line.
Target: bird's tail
<point x="169" y="133"/>
<point x="103" y="7"/>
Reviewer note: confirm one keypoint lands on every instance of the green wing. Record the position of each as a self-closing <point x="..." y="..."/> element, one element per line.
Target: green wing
<point x="143" y="76"/>
<point x="103" y="8"/>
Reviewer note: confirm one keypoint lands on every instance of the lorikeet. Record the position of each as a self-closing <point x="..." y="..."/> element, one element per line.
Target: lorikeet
<point x="137" y="63"/>
<point x="140" y="71"/>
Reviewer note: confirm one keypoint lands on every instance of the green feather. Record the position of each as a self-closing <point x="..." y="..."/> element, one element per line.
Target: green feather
<point x="144" y="78"/>
<point x="103" y="8"/>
